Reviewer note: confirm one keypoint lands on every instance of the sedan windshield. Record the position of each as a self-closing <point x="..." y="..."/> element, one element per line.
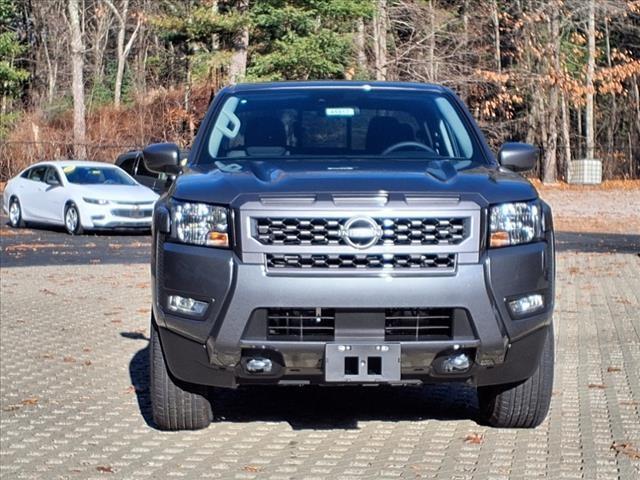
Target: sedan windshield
<point x="97" y="176"/>
<point x="341" y="123"/>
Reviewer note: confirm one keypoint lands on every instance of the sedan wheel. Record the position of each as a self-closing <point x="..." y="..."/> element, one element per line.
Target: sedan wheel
<point x="15" y="214"/>
<point x="72" y="220"/>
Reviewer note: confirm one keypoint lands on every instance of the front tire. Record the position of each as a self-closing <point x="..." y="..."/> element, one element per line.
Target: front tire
<point x="524" y="404"/>
<point x="15" y="214"/>
<point x="172" y="405"/>
<point x="72" y="220"/>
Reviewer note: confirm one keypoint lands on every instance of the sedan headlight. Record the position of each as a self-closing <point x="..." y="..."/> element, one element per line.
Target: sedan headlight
<point x="515" y="223"/>
<point x="96" y="201"/>
<point x="200" y="224"/>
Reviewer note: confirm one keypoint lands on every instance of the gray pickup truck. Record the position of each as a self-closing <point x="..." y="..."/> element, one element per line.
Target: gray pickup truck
<point x="349" y="233"/>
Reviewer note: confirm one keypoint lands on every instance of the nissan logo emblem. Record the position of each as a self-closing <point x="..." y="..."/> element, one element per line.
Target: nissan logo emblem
<point x="361" y="232"/>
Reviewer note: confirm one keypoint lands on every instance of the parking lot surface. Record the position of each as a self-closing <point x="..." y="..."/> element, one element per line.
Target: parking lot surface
<point x="74" y="395"/>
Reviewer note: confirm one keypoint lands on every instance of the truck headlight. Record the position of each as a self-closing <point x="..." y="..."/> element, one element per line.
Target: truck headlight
<point x="200" y="224"/>
<point x="515" y="223"/>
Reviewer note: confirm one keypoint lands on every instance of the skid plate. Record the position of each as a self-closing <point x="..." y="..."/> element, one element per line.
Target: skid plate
<point x="355" y="362"/>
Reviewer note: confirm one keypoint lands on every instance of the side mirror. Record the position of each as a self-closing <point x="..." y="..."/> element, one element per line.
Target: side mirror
<point x="162" y="158"/>
<point x="518" y="157"/>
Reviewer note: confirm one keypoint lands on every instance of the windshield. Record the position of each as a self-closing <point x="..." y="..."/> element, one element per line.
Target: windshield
<point x="97" y="176"/>
<point x="342" y="123"/>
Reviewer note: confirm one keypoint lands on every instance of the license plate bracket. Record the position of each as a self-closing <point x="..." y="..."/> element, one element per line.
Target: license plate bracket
<point x="362" y="363"/>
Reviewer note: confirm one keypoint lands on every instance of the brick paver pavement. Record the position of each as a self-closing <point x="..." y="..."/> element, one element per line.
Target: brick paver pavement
<point x="74" y="396"/>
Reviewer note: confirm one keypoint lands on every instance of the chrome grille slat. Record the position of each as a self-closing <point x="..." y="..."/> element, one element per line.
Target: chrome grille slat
<point x="397" y="231"/>
<point x="381" y="262"/>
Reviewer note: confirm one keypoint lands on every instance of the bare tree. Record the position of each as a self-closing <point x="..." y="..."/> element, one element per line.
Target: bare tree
<point x="591" y="63"/>
<point x="77" y="86"/>
<point x="551" y="148"/>
<point x="380" y="29"/>
<point x="123" y="49"/>
<point x="238" y="65"/>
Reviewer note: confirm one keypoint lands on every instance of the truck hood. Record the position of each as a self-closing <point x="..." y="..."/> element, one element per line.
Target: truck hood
<point x="225" y="182"/>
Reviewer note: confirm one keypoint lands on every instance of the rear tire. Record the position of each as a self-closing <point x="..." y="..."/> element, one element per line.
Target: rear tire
<point x="524" y="404"/>
<point x="72" y="220"/>
<point x="175" y="405"/>
<point x="15" y="214"/>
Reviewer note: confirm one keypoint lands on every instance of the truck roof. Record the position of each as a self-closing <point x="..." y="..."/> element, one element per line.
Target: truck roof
<point x="336" y="84"/>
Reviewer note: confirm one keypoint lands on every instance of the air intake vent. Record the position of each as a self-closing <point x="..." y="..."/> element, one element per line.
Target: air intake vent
<point x="311" y="324"/>
<point x="418" y="324"/>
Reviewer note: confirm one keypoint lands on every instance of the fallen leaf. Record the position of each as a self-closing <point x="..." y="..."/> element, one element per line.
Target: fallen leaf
<point x="11" y="408"/>
<point x="47" y="292"/>
<point x="86" y="349"/>
<point x="474" y="438"/>
<point x="613" y="369"/>
<point x="251" y="468"/>
<point x="627" y="449"/>
<point x="596" y="385"/>
<point x="629" y="402"/>
<point x="87" y="363"/>
<point x="104" y="469"/>
<point x="116" y="321"/>
<point x="68" y="359"/>
<point x="30" y="401"/>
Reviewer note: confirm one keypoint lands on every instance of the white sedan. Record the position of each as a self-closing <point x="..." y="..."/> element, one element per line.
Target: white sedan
<point x="78" y="195"/>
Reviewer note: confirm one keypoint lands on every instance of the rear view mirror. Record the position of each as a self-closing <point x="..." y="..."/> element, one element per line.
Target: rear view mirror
<point x="518" y="157"/>
<point x="162" y="158"/>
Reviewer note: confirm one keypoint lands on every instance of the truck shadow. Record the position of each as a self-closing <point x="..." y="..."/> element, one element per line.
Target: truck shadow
<point x="320" y="408"/>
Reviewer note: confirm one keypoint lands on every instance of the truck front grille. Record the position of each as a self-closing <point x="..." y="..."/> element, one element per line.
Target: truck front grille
<point x="418" y="324"/>
<point x="362" y="261"/>
<point x="328" y="231"/>
<point x="300" y="324"/>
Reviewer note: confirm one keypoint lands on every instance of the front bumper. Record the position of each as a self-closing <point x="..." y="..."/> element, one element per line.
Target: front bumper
<point x="105" y="216"/>
<point x="209" y="351"/>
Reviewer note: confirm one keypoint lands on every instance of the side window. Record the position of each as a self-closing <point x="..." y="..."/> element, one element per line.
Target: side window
<point x="128" y="165"/>
<point x="26" y="173"/>
<point x="37" y="174"/>
<point x="52" y="174"/>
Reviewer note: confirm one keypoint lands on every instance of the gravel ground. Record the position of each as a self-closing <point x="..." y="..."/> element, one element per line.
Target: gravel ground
<point x="594" y="210"/>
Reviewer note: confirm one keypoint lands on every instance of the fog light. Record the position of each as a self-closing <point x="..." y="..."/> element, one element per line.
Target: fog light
<point x="186" y="305"/>
<point x="527" y="305"/>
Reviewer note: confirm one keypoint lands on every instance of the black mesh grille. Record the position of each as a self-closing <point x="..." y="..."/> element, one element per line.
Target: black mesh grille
<point x="131" y="212"/>
<point x="300" y="324"/>
<point x="326" y="231"/>
<point x="364" y="261"/>
<point x="418" y="324"/>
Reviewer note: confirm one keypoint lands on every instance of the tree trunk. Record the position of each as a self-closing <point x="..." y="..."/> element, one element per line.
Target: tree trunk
<point x="611" y="124"/>
<point x="77" y="81"/>
<point x="380" y="30"/>
<point x="122" y="49"/>
<point x="238" y="66"/>
<point x="566" y="136"/>
<point x="591" y="62"/>
<point x="360" y="48"/>
<point x="432" y="42"/>
<point x="496" y="35"/>
<point x="550" y="152"/>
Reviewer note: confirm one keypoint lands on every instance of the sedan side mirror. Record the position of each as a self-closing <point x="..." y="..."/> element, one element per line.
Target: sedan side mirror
<point x="518" y="157"/>
<point x="162" y="158"/>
